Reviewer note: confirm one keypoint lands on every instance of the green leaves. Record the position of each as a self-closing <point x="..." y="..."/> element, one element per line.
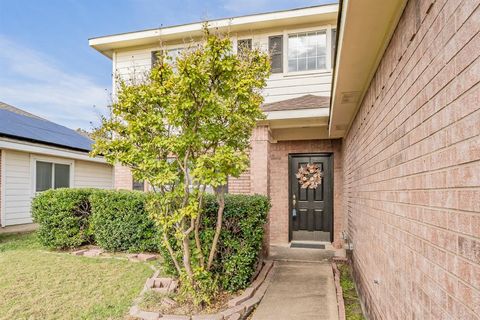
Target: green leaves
<point x="186" y="126"/>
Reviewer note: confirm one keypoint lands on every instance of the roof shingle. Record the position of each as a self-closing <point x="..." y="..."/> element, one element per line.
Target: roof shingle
<point x="308" y="101"/>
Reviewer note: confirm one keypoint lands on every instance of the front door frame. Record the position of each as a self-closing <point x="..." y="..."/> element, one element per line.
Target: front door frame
<point x="308" y="154"/>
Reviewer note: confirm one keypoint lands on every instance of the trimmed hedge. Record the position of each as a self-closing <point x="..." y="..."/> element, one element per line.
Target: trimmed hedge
<point x="241" y="240"/>
<point x="63" y="217"/>
<point x="119" y="222"/>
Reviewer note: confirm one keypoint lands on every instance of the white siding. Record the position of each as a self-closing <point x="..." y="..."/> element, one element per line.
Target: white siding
<point x="18" y="189"/>
<point x="132" y="65"/>
<point x="18" y="182"/>
<point x="93" y="175"/>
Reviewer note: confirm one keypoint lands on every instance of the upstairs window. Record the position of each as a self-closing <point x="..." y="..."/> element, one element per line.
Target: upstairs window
<point x="244" y="44"/>
<point x="172" y="53"/>
<point x="154" y="56"/>
<point x="334" y="44"/>
<point x="49" y="175"/>
<point x="307" y="51"/>
<point x="275" y="49"/>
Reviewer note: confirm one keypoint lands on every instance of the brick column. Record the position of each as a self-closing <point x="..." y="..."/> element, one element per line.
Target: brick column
<point x="123" y="178"/>
<point x="259" y="159"/>
<point x="260" y="172"/>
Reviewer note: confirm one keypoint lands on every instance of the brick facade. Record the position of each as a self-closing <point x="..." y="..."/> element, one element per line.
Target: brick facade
<point x="123" y="178"/>
<point x="412" y="169"/>
<point x="279" y="213"/>
<point x="268" y="175"/>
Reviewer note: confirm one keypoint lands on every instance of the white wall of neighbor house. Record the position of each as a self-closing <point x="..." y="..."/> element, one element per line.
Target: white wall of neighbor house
<point x="133" y="63"/>
<point x="18" y="181"/>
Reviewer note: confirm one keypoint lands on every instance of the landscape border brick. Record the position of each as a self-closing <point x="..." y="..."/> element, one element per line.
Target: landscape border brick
<point x="238" y="308"/>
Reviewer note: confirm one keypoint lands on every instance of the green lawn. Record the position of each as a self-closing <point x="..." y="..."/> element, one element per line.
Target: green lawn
<point x="38" y="284"/>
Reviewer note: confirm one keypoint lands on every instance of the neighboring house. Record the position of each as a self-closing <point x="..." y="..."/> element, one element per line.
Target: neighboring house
<point x="37" y="155"/>
<point x="399" y="142"/>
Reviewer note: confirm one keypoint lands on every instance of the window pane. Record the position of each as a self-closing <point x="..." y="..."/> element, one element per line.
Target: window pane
<point x="62" y="176"/>
<point x="43" y="176"/>
<point x="292" y="65"/>
<point x="308" y="50"/>
<point x="302" y="64"/>
<point x="138" y="185"/>
<point x="174" y="53"/>
<point x="244" y="44"/>
<point x="275" y="48"/>
<point x="334" y="44"/>
<point x="311" y="63"/>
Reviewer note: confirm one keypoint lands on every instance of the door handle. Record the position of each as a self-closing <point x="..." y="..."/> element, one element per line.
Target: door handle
<point x="294" y="201"/>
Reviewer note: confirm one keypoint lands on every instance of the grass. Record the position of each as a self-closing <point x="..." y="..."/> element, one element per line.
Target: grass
<point x="40" y="284"/>
<point x="353" y="308"/>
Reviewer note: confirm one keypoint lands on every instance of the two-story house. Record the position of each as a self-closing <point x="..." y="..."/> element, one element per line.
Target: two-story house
<point x="398" y="141"/>
<point x="301" y="44"/>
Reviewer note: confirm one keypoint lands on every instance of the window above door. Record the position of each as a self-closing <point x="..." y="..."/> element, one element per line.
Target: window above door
<point x="307" y="51"/>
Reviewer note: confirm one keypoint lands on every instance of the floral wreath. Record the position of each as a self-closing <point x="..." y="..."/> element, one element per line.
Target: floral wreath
<point x="309" y="176"/>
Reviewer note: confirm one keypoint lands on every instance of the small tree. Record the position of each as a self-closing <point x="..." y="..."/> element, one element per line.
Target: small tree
<point x="186" y="128"/>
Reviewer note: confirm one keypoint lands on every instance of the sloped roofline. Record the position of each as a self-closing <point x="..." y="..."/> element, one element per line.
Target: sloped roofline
<point x="106" y="44"/>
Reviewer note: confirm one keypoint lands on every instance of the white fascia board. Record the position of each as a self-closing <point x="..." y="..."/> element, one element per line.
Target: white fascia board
<point x="220" y="23"/>
<point x="297" y="114"/>
<point x="23" y="146"/>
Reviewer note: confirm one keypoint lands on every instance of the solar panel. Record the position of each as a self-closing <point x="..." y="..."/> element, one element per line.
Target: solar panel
<point x="29" y="128"/>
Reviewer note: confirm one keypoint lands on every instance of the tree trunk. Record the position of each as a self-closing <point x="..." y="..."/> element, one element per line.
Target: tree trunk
<point x="221" y="206"/>
<point x="198" y="243"/>
<point x="186" y="256"/>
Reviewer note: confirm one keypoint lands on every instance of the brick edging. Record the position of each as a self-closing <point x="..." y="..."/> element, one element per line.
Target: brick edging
<point x="239" y="308"/>
<point x="338" y="289"/>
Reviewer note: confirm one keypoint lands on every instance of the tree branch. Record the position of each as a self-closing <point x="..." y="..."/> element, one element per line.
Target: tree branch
<point x="221" y="206"/>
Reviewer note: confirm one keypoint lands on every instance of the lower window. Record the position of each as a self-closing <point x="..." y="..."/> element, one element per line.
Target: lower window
<point x="51" y="175"/>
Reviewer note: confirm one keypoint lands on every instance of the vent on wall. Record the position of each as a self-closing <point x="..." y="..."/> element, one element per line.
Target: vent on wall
<point x="350" y="97"/>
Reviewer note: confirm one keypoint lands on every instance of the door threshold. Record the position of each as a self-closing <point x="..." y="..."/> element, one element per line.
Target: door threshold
<point x="310" y="244"/>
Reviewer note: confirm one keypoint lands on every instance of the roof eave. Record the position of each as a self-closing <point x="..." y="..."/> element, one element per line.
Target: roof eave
<point x="365" y="30"/>
<point x="106" y="44"/>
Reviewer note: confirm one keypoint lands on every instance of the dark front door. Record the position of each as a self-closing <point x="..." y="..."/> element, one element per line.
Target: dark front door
<point x="311" y="197"/>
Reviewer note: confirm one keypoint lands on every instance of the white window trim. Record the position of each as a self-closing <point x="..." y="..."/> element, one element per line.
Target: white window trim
<point x="328" y="32"/>
<point x="33" y="170"/>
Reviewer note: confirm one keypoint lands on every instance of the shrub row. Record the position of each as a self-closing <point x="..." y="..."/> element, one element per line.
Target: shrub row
<point x="118" y="221"/>
<point x="114" y="220"/>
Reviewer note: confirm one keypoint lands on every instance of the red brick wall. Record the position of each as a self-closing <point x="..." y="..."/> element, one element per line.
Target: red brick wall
<point x="240" y="185"/>
<point x="279" y="214"/>
<point x="123" y="178"/>
<point x="412" y="169"/>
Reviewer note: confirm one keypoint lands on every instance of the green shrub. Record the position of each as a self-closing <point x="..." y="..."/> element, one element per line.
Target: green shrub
<point x="240" y="242"/>
<point x="241" y="239"/>
<point x="119" y="222"/>
<point x="63" y="217"/>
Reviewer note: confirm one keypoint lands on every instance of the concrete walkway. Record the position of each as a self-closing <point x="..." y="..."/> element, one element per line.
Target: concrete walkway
<point x="299" y="290"/>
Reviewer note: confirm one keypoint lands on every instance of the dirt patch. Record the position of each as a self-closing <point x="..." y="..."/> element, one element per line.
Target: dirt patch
<point x="154" y="301"/>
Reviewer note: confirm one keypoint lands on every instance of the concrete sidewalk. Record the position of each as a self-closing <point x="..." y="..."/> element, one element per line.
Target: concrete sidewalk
<point x="299" y="290"/>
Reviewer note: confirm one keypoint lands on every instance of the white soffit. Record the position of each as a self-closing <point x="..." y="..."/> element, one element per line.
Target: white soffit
<point x="365" y="31"/>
